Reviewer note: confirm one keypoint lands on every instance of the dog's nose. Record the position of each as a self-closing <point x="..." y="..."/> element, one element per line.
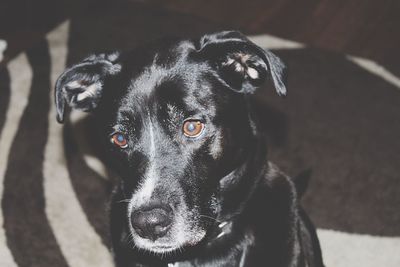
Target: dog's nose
<point x="152" y="222"/>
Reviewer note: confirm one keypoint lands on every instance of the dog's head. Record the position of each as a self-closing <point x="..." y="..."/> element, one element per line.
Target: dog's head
<point x="174" y="120"/>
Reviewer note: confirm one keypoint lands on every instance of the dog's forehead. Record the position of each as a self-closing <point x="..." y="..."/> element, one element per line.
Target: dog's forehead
<point x="173" y="78"/>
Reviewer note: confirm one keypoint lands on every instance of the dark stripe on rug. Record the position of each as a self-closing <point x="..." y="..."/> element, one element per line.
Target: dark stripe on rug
<point x="344" y="123"/>
<point x="29" y="234"/>
<point x="93" y="191"/>
<point x="4" y="95"/>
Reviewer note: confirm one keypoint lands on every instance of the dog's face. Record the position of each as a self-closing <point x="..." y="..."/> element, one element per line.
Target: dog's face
<point x="174" y="120"/>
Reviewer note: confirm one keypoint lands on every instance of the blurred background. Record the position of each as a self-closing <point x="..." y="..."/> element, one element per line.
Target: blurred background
<point x="341" y="119"/>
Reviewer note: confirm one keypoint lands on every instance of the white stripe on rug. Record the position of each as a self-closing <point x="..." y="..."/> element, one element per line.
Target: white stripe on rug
<point x="78" y="240"/>
<point x="21" y="79"/>
<point x="79" y="135"/>
<point x="3" y="47"/>
<point x="272" y="42"/>
<point x="342" y="249"/>
<point x="375" y="68"/>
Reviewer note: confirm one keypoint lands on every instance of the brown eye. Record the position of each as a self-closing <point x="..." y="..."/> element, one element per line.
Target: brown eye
<point x="192" y="128"/>
<point x="119" y="140"/>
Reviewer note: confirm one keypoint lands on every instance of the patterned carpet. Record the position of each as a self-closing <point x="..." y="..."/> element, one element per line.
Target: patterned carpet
<point x="341" y="119"/>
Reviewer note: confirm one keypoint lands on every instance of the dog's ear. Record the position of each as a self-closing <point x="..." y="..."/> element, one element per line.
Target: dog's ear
<point x="241" y="64"/>
<point x="81" y="85"/>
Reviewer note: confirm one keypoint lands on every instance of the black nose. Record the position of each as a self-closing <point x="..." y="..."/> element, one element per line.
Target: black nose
<point x="153" y="221"/>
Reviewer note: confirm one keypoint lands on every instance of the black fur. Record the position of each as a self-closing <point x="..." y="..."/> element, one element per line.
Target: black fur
<point x="228" y="205"/>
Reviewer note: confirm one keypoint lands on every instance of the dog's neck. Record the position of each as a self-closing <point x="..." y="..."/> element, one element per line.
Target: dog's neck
<point x="239" y="186"/>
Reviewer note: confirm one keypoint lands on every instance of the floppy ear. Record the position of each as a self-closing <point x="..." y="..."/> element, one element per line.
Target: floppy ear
<point x="81" y="85"/>
<point x="241" y="64"/>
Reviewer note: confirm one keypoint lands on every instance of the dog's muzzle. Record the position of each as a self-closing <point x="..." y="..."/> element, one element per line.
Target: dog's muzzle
<point x="152" y="221"/>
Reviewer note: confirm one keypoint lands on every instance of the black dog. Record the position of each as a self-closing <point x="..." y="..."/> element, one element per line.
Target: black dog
<point x="196" y="189"/>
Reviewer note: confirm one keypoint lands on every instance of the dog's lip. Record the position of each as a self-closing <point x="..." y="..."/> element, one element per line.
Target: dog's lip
<point x="163" y="249"/>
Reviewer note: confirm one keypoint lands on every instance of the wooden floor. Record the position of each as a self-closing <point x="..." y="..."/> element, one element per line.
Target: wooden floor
<point x="368" y="28"/>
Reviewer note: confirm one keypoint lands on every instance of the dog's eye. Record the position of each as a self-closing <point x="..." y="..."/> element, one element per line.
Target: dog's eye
<point x="119" y="140"/>
<point x="192" y="128"/>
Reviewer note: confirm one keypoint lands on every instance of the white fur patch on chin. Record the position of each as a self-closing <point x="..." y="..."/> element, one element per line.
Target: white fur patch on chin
<point x="163" y="247"/>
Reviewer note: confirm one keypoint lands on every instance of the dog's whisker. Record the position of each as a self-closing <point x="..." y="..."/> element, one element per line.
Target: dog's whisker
<point x="211" y="218"/>
<point x="220" y="234"/>
<point x="222" y="225"/>
<point x="130" y="241"/>
<point x="124" y="201"/>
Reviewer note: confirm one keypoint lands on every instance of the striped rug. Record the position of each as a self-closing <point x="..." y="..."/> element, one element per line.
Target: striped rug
<point x="341" y="119"/>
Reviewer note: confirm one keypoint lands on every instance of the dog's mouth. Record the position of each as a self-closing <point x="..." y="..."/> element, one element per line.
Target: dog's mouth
<point x="163" y="249"/>
<point x="161" y="225"/>
<point x="173" y="242"/>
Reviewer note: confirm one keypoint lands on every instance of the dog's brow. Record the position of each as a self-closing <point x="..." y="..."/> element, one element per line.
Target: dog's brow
<point x="174" y="113"/>
<point x="147" y="80"/>
<point x="125" y="114"/>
